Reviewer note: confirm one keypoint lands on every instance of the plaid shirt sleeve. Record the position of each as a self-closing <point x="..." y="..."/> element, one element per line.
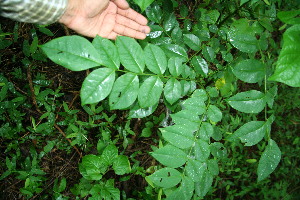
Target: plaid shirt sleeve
<point x="33" y="11"/>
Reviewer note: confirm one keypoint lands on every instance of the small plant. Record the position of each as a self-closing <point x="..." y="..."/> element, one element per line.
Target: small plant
<point x="194" y="111"/>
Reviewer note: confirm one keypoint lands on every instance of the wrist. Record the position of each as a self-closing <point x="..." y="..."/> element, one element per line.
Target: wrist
<point x="70" y="12"/>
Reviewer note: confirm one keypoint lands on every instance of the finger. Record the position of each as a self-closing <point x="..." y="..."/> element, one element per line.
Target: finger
<point x="126" y="31"/>
<point x="133" y="15"/>
<point x="121" y="4"/>
<point x="132" y="24"/>
<point x="113" y="35"/>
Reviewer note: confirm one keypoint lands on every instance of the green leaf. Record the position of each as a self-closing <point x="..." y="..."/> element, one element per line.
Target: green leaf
<point x="178" y="135"/>
<point x="121" y="165"/>
<point x="150" y="91"/>
<point x="137" y="112"/>
<point x="97" y="85"/>
<point x="187" y="118"/>
<point x="252" y="101"/>
<point x="184" y="191"/>
<point x="143" y="4"/>
<point x="172" y="90"/>
<point x="73" y="52"/>
<point x="289" y="17"/>
<point x="251" y="133"/>
<point x="204" y="184"/>
<point x="202" y="150"/>
<point x="242" y="36"/>
<point x="166" y="177"/>
<point x="154" y="13"/>
<point x="200" y="94"/>
<point x="131" y="54"/>
<point x="268" y="161"/>
<point x="218" y="150"/>
<point x="195" y="169"/>
<point x="200" y="65"/>
<point x="175" y="66"/>
<point x="155" y="58"/>
<point x="250" y="71"/>
<point x="288" y="68"/>
<point x="174" y="50"/>
<point x="214" y="113"/>
<point x="194" y="104"/>
<point x="124" y="91"/>
<point x="92" y="167"/>
<point x="170" y="22"/>
<point x="170" y="156"/>
<point x="176" y="35"/>
<point x="108" y="52"/>
<point x="213" y="167"/>
<point x="192" y="41"/>
<point x="206" y="131"/>
<point x="109" y="154"/>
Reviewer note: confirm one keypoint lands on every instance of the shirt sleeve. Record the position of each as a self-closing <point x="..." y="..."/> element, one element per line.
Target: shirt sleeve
<point x="33" y="11"/>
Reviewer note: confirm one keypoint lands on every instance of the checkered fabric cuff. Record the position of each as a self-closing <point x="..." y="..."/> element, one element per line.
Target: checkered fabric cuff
<point x="33" y="11"/>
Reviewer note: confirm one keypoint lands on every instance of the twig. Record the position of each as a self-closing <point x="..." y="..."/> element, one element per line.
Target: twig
<point x="32" y="89"/>
<point x="59" y="129"/>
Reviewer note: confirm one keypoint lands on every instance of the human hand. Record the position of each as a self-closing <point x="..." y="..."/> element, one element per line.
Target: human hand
<point x="106" y="18"/>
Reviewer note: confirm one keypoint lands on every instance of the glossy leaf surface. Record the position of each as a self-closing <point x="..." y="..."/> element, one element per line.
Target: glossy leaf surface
<point x="269" y="160"/>
<point x="172" y="90"/>
<point x="107" y="51"/>
<point x="184" y="191"/>
<point x="251" y="133"/>
<point x="200" y="65"/>
<point x="242" y="36"/>
<point x="252" y="101"/>
<point x="72" y="52"/>
<point x="124" y="91"/>
<point x="150" y="91"/>
<point x="214" y="113"/>
<point x="250" y="71"/>
<point x="174" y="50"/>
<point x="170" y="156"/>
<point x="97" y="85"/>
<point x="155" y="58"/>
<point x="192" y="41"/>
<point x="131" y="54"/>
<point x="288" y="67"/>
<point x="178" y="135"/>
<point x="166" y="177"/>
